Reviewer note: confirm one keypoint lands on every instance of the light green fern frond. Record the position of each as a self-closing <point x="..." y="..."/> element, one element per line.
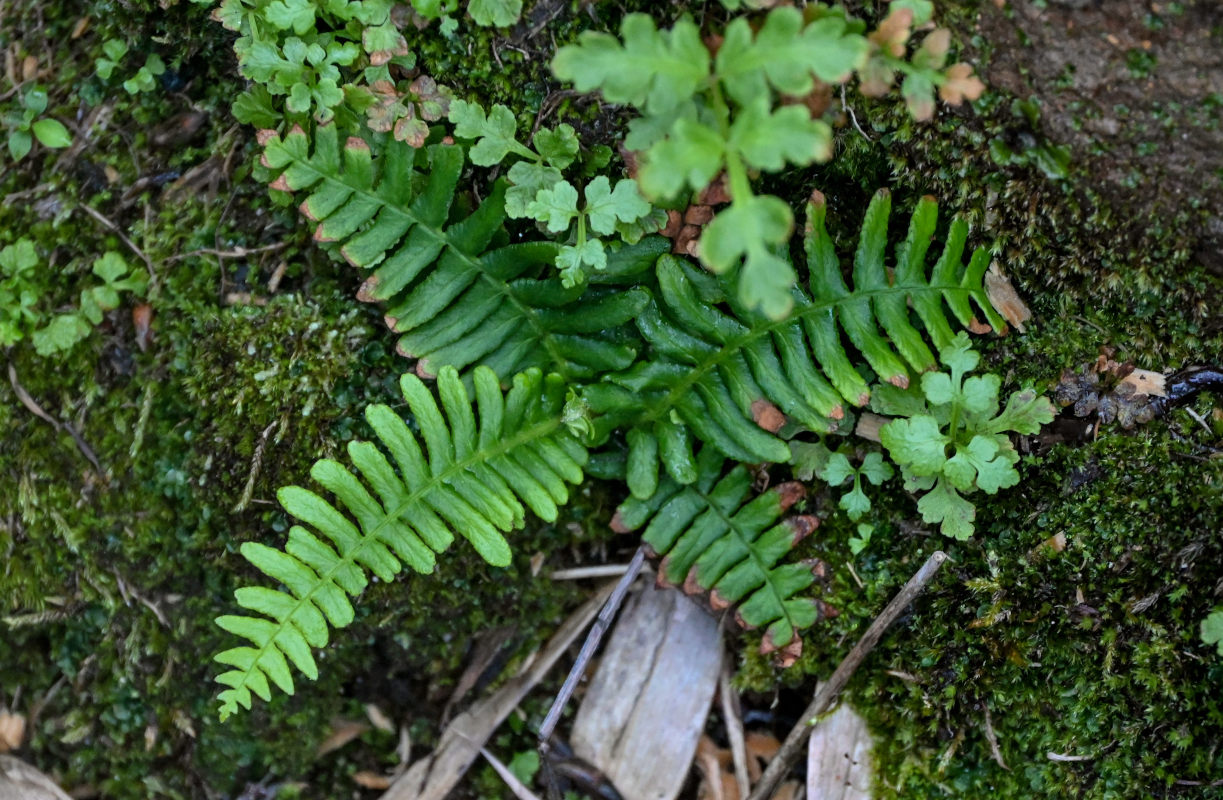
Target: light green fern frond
<point x="732" y="377"/>
<point x="477" y="474"/>
<point x="454" y="290"/>
<point x="713" y="536"/>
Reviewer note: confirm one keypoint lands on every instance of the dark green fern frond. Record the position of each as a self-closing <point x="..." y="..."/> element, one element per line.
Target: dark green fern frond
<point x="477" y="475"/>
<point x="456" y="293"/>
<point x="713" y="537"/>
<point x="732" y="377"/>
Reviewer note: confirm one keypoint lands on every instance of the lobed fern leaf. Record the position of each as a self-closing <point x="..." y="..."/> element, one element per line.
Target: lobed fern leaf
<point x="732" y="378"/>
<point x="477" y="475"/>
<point x="455" y="291"/>
<point x="713" y="537"/>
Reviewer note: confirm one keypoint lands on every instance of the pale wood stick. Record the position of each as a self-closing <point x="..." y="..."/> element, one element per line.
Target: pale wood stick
<point x="794" y="744"/>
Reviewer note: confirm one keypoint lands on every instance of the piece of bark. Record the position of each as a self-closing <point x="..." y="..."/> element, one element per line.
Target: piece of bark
<point x="20" y="781"/>
<point x="435" y="775"/>
<point x="644" y="712"/>
<point x="839" y="757"/>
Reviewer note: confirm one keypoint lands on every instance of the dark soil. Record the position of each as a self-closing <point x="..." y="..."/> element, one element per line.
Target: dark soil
<point x="1135" y="90"/>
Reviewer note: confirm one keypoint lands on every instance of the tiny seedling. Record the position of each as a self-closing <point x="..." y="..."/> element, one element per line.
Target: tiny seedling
<point x="23" y="126"/>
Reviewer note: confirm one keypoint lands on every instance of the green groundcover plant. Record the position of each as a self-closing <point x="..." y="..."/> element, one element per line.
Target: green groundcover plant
<point x="577" y="347"/>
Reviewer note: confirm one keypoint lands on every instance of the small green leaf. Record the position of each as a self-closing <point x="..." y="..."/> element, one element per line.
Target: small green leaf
<point x="769" y="140"/>
<point x="295" y="15"/>
<point x="110" y="266"/>
<point x="808" y="459"/>
<point x="606" y="207"/>
<point x="943" y="504"/>
<point x="1212" y="629"/>
<point x="51" y="133"/>
<point x="61" y="334"/>
<point x="556" y="207"/>
<point x="558" y="147"/>
<point x="691" y="156"/>
<point x="494" y="133"/>
<point x="496" y="13"/>
<point x="19" y="143"/>
<point x="837" y="470"/>
<point x="855" y="503"/>
<point x="917" y="443"/>
<point x="875" y="469"/>
<point x="35" y="100"/>
<point x="527" y="179"/>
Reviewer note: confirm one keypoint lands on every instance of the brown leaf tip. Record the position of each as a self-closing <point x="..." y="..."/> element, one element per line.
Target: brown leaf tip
<point x="767" y="415"/>
<point x="899" y="381"/>
<point x="356" y="143"/>
<point x="692" y="584"/>
<point x="802" y="526"/>
<point x="296" y="130"/>
<point x="366" y="293"/>
<point x="617" y="523"/>
<point x="264" y="136"/>
<point x="717" y="601"/>
<point x="422" y="370"/>
<point x="789" y="493"/>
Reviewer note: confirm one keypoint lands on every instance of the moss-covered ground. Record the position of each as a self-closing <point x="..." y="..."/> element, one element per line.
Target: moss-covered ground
<point x="111" y="572"/>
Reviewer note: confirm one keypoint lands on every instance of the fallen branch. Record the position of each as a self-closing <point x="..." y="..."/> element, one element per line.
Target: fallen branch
<point x="793" y="746"/>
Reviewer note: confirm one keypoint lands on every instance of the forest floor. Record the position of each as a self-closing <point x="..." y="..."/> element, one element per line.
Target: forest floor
<point x="1058" y="655"/>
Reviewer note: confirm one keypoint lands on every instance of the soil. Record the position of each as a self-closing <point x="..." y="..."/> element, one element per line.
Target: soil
<point x="1135" y="89"/>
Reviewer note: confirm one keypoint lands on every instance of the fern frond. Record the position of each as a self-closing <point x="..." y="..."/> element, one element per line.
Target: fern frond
<point x="477" y="474"/>
<point x="731" y="378"/>
<point x="454" y="291"/>
<point x="713" y="537"/>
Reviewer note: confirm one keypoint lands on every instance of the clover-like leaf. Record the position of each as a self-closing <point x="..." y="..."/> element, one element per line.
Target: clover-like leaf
<point x="556" y="207"/>
<point x="606" y="207"/>
<point x="916" y="443"/>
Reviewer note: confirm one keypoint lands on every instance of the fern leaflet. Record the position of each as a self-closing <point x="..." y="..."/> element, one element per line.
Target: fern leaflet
<point x="455" y="291"/>
<point x="479" y="472"/>
<point x="732" y="378"/>
<point x="713" y="538"/>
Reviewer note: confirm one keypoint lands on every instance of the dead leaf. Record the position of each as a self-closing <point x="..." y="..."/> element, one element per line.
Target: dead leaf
<point x="893" y="32"/>
<point x="368" y="779"/>
<point x="1144" y="381"/>
<point x="869" y="425"/>
<point x="343" y="731"/>
<point x="12" y="731"/>
<point x="29" y="68"/>
<point x="379" y="719"/>
<point x="1002" y="296"/>
<point x="79" y="29"/>
<point x="142" y="319"/>
<point x="960" y="85"/>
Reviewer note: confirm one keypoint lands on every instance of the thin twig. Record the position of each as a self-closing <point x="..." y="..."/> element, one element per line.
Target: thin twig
<point x="580" y="573"/>
<point x="516" y="786"/>
<point x="600" y="626"/>
<point x="853" y="117"/>
<point x="237" y="252"/>
<point x="794" y="744"/>
<point x="36" y="410"/>
<point x="734" y="728"/>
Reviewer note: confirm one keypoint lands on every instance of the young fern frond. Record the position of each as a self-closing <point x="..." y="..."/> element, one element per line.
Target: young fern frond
<point x="454" y="291"/>
<point x="713" y="537"/>
<point x="730" y="378"/>
<point x="477" y="475"/>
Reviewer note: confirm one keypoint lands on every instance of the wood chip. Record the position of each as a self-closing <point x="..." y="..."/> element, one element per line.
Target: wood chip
<point x="343" y="731"/>
<point x="20" y="781"/>
<point x="643" y="715"/>
<point x="12" y="731"/>
<point x="839" y="757"/>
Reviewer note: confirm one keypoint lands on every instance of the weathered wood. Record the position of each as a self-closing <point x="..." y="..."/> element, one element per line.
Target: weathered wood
<point x="839" y="757"/>
<point x="642" y="717"/>
<point x="20" y="781"/>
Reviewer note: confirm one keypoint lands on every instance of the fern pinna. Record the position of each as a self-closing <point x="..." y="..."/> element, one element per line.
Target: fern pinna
<point x="454" y="289"/>
<point x="730" y="378"/>
<point x="477" y="473"/>
<point x="713" y="536"/>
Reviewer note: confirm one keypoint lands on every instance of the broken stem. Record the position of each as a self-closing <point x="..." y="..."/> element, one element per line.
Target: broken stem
<point x="792" y="747"/>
